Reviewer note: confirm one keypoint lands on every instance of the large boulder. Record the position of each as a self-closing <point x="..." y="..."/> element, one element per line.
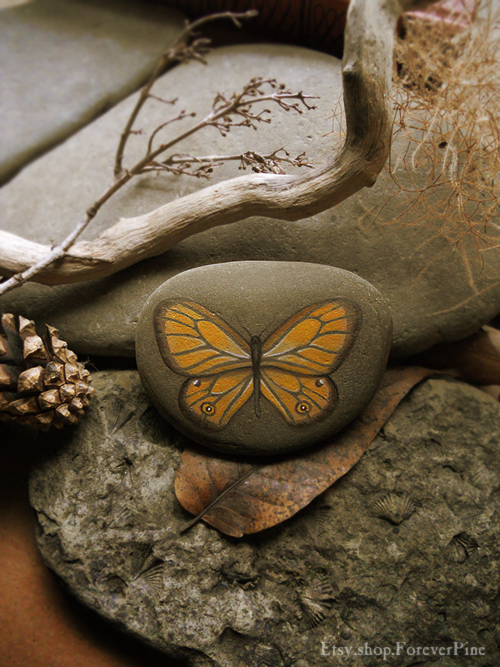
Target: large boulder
<point x="390" y="235"/>
<point x="64" y="63"/>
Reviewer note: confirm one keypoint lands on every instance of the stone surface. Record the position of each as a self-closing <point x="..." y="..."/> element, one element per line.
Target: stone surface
<point x="64" y="62"/>
<point x="436" y="291"/>
<point x="42" y="626"/>
<point x="254" y="300"/>
<point x="404" y="548"/>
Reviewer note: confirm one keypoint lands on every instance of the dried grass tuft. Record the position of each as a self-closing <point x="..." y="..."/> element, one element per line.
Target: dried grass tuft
<point x="445" y="161"/>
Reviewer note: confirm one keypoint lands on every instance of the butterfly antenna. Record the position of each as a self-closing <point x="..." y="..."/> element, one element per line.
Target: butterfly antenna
<point x="242" y="326"/>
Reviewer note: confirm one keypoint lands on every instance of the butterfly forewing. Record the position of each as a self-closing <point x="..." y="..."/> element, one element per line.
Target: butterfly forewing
<point x="313" y="341"/>
<point x="195" y="342"/>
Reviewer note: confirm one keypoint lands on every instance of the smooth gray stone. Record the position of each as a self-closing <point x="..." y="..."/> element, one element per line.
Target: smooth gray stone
<point x="64" y="62"/>
<point x="254" y="300"/>
<point x="433" y="296"/>
<point x="404" y="548"/>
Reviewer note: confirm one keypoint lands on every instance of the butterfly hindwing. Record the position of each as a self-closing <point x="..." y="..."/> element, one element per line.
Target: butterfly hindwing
<point x="212" y="401"/>
<point x="300" y="399"/>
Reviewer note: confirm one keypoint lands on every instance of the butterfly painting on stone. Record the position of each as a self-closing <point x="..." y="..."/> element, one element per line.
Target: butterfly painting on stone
<point x="290" y="368"/>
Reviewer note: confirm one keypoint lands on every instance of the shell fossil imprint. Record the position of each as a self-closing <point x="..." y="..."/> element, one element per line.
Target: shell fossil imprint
<point x="316" y="601"/>
<point x="461" y="547"/>
<point x="394" y="507"/>
<point x="140" y="564"/>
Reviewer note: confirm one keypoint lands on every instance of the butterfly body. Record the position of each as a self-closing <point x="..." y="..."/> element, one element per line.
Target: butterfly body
<point x="256" y="356"/>
<point x="289" y="369"/>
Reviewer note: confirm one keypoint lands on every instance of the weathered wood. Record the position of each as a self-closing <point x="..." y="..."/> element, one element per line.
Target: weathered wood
<point x="367" y="73"/>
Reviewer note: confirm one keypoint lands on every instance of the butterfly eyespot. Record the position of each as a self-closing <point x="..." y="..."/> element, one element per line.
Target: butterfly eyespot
<point x="319" y="383"/>
<point x="207" y="408"/>
<point x="196" y="383"/>
<point x="303" y="407"/>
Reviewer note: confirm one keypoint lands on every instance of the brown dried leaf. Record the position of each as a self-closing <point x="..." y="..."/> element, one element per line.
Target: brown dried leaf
<point x="475" y="359"/>
<point x="239" y="498"/>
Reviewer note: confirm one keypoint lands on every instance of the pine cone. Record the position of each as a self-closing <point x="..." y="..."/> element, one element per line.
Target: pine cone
<point x="42" y="383"/>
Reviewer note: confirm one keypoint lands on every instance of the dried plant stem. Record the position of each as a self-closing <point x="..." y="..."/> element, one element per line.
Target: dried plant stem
<point x="200" y="166"/>
<point x="445" y="177"/>
<point x="176" y="53"/>
<point x="367" y="70"/>
<point x="223" y="109"/>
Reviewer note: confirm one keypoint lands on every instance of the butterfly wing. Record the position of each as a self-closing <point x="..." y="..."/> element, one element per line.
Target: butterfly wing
<point x="197" y="343"/>
<point x="300" y="399"/>
<point x="212" y="401"/>
<point x="314" y="341"/>
<point x="298" y="357"/>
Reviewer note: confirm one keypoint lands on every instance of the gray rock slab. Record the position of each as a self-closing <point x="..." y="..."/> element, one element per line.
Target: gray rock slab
<point x="403" y="552"/>
<point x="438" y="290"/>
<point x="277" y="367"/>
<point x="64" y="62"/>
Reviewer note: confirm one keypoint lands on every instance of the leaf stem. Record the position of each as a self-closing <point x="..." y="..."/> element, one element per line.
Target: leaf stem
<point x="217" y="500"/>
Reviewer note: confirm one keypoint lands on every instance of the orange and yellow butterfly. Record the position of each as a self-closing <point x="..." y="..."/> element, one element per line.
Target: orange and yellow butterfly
<point x="290" y="368"/>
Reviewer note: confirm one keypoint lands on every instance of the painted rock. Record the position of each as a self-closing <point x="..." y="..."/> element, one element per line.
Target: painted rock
<point x="263" y="357"/>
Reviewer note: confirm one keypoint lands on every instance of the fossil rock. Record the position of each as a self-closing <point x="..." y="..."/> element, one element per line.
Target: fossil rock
<point x="335" y="575"/>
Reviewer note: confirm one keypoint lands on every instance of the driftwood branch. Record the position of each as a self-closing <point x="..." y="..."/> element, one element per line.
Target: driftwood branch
<point x="367" y="72"/>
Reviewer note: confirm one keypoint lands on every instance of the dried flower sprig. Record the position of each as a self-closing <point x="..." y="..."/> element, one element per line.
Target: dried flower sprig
<point x="228" y="112"/>
<point x="255" y="91"/>
<point x="203" y="166"/>
<point x="182" y="51"/>
<point x="271" y="164"/>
